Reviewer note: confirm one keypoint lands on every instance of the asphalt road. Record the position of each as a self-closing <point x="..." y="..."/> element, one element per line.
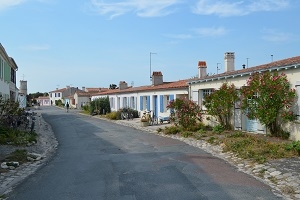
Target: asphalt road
<point x="102" y="160"/>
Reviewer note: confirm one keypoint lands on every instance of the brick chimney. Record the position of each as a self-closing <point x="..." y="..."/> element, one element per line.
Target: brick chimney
<point x="123" y="85"/>
<point x="229" y="61"/>
<point x="202" y="69"/>
<point x="157" y="78"/>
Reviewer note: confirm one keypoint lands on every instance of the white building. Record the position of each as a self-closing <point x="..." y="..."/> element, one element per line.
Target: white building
<point x="205" y="84"/>
<point x="8" y="69"/>
<point x="153" y="97"/>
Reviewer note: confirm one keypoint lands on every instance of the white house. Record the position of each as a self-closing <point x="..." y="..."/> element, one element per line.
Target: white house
<point x="8" y="69"/>
<point x="153" y="97"/>
<point x="205" y="84"/>
<point x="43" y="101"/>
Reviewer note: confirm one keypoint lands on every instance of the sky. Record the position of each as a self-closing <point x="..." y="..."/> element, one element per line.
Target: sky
<point x="95" y="43"/>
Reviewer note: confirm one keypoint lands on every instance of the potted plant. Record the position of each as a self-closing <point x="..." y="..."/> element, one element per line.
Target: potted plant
<point x="144" y="121"/>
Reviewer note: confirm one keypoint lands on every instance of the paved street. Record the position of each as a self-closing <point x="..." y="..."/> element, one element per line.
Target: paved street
<point x="98" y="159"/>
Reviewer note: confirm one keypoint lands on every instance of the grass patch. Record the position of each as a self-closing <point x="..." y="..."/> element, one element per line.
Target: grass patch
<point x="16" y="137"/>
<point x="18" y="155"/>
<point x="255" y="147"/>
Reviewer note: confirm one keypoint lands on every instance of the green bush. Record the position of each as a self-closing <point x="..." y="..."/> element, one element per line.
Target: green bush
<point x="218" y="129"/>
<point x="295" y="146"/>
<point x="196" y="127"/>
<point x="112" y="115"/>
<point x="187" y="134"/>
<point x="172" y="130"/>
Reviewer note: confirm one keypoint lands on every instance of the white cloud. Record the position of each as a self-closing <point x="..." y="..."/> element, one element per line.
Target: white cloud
<point x="273" y="35"/>
<point x="36" y="47"/>
<point x="143" y="8"/>
<point x="225" y="8"/>
<point x="9" y="3"/>
<point x="211" y="32"/>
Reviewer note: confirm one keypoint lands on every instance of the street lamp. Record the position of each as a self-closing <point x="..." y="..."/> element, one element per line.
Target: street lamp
<point x="150" y="65"/>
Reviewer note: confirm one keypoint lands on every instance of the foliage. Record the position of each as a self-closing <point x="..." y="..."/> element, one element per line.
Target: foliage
<point x="16" y="137"/>
<point x="220" y="104"/>
<point x="86" y="108"/>
<point x="58" y="103"/>
<point x="19" y="155"/>
<point x="100" y="106"/>
<point x="268" y="97"/>
<point x="295" y="146"/>
<point x="249" y="146"/>
<point x="172" y="130"/>
<point x="187" y="113"/>
<point x="187" y="134"/>
<point x="112" y="115"/>
<point x="218" y="129"/>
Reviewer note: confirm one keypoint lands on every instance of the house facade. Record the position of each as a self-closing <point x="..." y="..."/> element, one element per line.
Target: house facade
<point x="43" y="101"/>
<point x="56" y="95"/>
<point x="8" y="75"/>
<point x="153" y="98"/>
<point x="206" y="84"/>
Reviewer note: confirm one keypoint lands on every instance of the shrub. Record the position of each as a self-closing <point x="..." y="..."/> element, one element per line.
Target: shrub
<point x="295" y="146"/>
<point x="220" y="104"/>
<point x="187" y="134"/>
<point x="187" y="112"/>
<point x="112" y="115"/>
<point x="269" y="98"/>
<point x="172" y="130"/>
<point x="218" y="129"/>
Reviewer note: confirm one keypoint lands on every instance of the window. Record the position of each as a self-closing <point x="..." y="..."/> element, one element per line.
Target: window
<point x="59" y="94"/>
<point x="207" y="92"/>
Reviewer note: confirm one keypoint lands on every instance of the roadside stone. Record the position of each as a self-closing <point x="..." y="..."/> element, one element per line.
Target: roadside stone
<point x="275" y="173"/>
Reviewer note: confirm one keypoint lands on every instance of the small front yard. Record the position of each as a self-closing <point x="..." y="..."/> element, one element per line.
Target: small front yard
<point x="255" y="147"/>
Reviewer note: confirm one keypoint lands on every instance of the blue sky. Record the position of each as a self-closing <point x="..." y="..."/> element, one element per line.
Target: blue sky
<point x="94" y="43"/>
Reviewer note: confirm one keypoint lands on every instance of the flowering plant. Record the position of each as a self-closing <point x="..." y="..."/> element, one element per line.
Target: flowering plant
<point x="220" y="104"/>
<point x="185" y="111"/>
<point x="268" y="97"/>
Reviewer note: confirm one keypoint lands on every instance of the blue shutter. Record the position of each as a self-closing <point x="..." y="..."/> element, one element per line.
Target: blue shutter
<point x="148" y="102"/>
<point x="171" y="97"/>
<point x="141" y="103"/>
<point x="161" y="97"/>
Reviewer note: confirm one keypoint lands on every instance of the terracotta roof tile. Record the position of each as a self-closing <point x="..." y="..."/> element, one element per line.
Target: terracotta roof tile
<point x="166" y="85"/>
<point x="272" y="65"/>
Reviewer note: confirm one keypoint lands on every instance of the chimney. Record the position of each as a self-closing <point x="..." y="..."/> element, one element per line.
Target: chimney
<point x="157" y="78"/>
<point x="123" y="85"/>
<point x="83" y="88"/>
<point x="229" y="61"/>
<point x="202" y="69"/>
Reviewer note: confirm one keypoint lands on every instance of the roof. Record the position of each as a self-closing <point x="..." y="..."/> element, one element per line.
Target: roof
<point x="43" y="97"/>
<point x="276" y="65"/>
<point x="181" y="84"/>
<point x="59" y="90"/>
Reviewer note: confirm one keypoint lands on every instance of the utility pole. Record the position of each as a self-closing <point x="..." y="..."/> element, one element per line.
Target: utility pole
<point x="218" y="68"/>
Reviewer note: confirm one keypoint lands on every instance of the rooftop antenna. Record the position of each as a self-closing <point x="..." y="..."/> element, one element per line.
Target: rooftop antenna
<point x="150" y="65"/>
<point x="272" y="58"/>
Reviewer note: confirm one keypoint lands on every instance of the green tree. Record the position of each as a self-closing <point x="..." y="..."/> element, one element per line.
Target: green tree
<point x="100" y="106"/>
<point x="186" y="112"/>
<point x="269" y="97"/>
<point x="220" y="104"/>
